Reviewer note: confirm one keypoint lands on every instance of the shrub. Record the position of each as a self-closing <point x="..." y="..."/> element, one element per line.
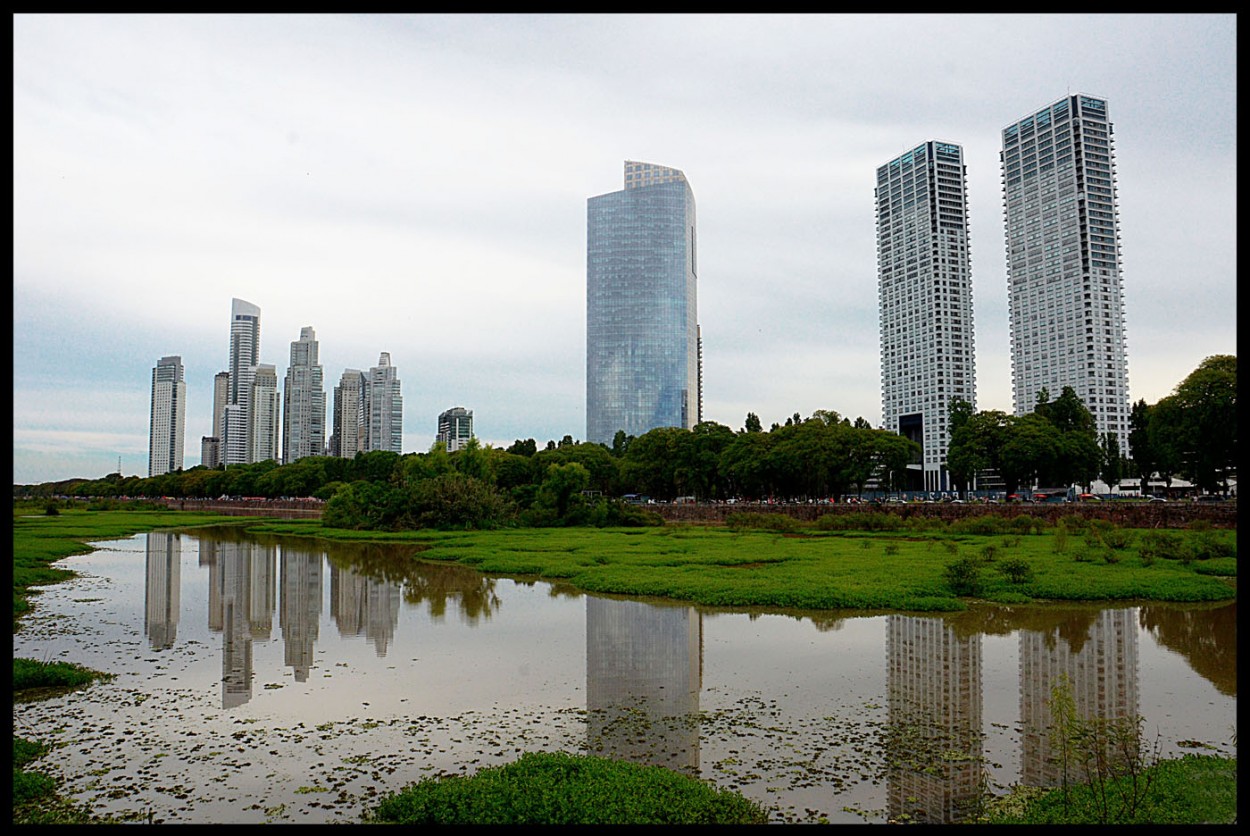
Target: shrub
<point x="1166" y="545"/>
<point x="1016" y="570"/>
<point x="51" y="510"/>
<point x="891" y="548"/>
<point x="990" y="553"/>
<point x="963" y="576"/>
<point x="1074" y="523"/>
<point x="740" y="520"/>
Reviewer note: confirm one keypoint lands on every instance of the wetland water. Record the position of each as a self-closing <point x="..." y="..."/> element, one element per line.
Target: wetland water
<point x="267" y="680"/>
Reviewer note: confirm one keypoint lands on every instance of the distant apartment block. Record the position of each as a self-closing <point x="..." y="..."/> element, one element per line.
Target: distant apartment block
<point x="1065" y="294"/>
<point x="383" y="408"/>
<point x="455" y="428"/>
<point x="210" y="451"/>
<point x="303" y="401"/>
<point x="266" y="408"/>
<point x="925" y="292"/>
<point x="168" y="416"/>
<point x="642" y="334"/>
<point x="348" y="418"/>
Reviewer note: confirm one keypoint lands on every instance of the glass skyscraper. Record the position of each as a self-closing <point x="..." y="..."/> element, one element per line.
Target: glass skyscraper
<point x="642" y="333"/>
<point x="1063" y="261"/>
<point x="925" y="289"/>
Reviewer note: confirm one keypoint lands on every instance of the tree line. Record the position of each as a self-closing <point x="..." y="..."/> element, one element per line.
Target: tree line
<point x="1191" y="433"/>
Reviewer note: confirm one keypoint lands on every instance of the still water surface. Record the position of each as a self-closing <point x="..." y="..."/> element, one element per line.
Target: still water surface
<point x="269" y="680"/>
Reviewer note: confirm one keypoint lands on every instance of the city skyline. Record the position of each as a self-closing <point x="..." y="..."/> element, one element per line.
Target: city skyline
<point x="436" y="208"/>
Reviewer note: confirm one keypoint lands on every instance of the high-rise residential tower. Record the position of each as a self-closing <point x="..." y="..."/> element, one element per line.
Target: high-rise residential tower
<point x="925" y="291"/>
<point x="244" y="355"/>
<point x="1065" y="295"/>
<point x="266" y="411"/>
<point x="383" y="408"/>
<point x="642" y="333"/>
<point x="168" y="417"/>
<point x="455" y="428"/>
<point x="303" y="402"/>
<point x="210" y="445"/>
<point x="347" y="421"/>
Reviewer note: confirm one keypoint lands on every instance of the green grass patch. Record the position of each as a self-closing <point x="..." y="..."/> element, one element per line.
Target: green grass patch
<point x="1194" y="789"/>
<point x="561" y="788"/>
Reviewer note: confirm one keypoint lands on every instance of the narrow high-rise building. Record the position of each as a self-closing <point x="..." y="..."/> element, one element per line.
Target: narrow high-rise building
<point x="221" y="397"/>
<point x="925" y="290"/>
<point x="265" y="411"/>
<point x="348" y="419"/>
<point x="383" y="408"/>
<point x="244" y="355"/>
<point x="168" y="416"/>
<point x="303" y="401"/>
<point x="642" y="334"/>
<point x="210" y="445"/>
<point x="455" y="428"/>
<point x="1065" y="295"/>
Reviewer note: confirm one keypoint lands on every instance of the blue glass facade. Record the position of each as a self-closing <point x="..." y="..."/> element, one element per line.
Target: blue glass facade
<point x="642" y="351"/>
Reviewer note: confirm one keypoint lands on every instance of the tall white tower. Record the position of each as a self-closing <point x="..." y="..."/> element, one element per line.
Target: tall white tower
<point x="168" y="416"/>
<point x="244" y="355"/>
<point x="383" y="408"/>
<point x="265" y="408"/>
<point x="924" y="284"/>
<point x="1064" y="288"/>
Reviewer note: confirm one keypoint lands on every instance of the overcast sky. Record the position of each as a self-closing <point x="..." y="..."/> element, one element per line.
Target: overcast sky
<point x="417" y="184"/>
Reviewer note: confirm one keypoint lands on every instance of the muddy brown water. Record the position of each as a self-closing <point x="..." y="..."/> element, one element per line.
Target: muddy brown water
<point x="266" y="681"/>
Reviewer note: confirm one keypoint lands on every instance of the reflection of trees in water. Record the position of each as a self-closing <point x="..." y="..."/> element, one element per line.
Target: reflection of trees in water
<point x="1206" y="637"/>
<point x="391" y="563"/>
<point x="435" y="584"/>
<point x="1069" y="623"/>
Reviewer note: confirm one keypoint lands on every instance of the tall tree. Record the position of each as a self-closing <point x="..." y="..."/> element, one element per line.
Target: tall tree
<point x="1111" y="469"/>
<point x="1140" y="452"/>
<point x="1207" y="426"/>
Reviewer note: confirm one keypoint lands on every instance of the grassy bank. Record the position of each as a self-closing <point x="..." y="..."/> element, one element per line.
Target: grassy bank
<point x="918" y="569"/>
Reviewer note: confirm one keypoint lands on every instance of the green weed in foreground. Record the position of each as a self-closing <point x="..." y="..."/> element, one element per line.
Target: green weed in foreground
<point x="29" y="673"/>
<point x="1193" y="789"/>
<point x="560" y="788"/>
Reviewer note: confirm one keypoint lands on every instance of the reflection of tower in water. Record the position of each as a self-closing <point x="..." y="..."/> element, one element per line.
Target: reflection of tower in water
<point x="300" y="613"/>
<point x="1100" y="665"/>
<point x="644" y="671"/>
<point x="934" y="738"/>
<point x="363" y="605"/>
<point x="161" y="595"/>
<point x="241" y="603"/>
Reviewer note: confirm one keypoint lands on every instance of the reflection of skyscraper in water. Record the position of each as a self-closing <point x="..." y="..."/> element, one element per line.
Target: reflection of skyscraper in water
<point x="300" y="614"/>
<point x="362" y="605"/>
<point x="161" y="589"/>
<point x="241" y="604"/>
<point x="935" y="708"/>
<point x="1100" y="663"/>
<point x="644" y="671"/>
